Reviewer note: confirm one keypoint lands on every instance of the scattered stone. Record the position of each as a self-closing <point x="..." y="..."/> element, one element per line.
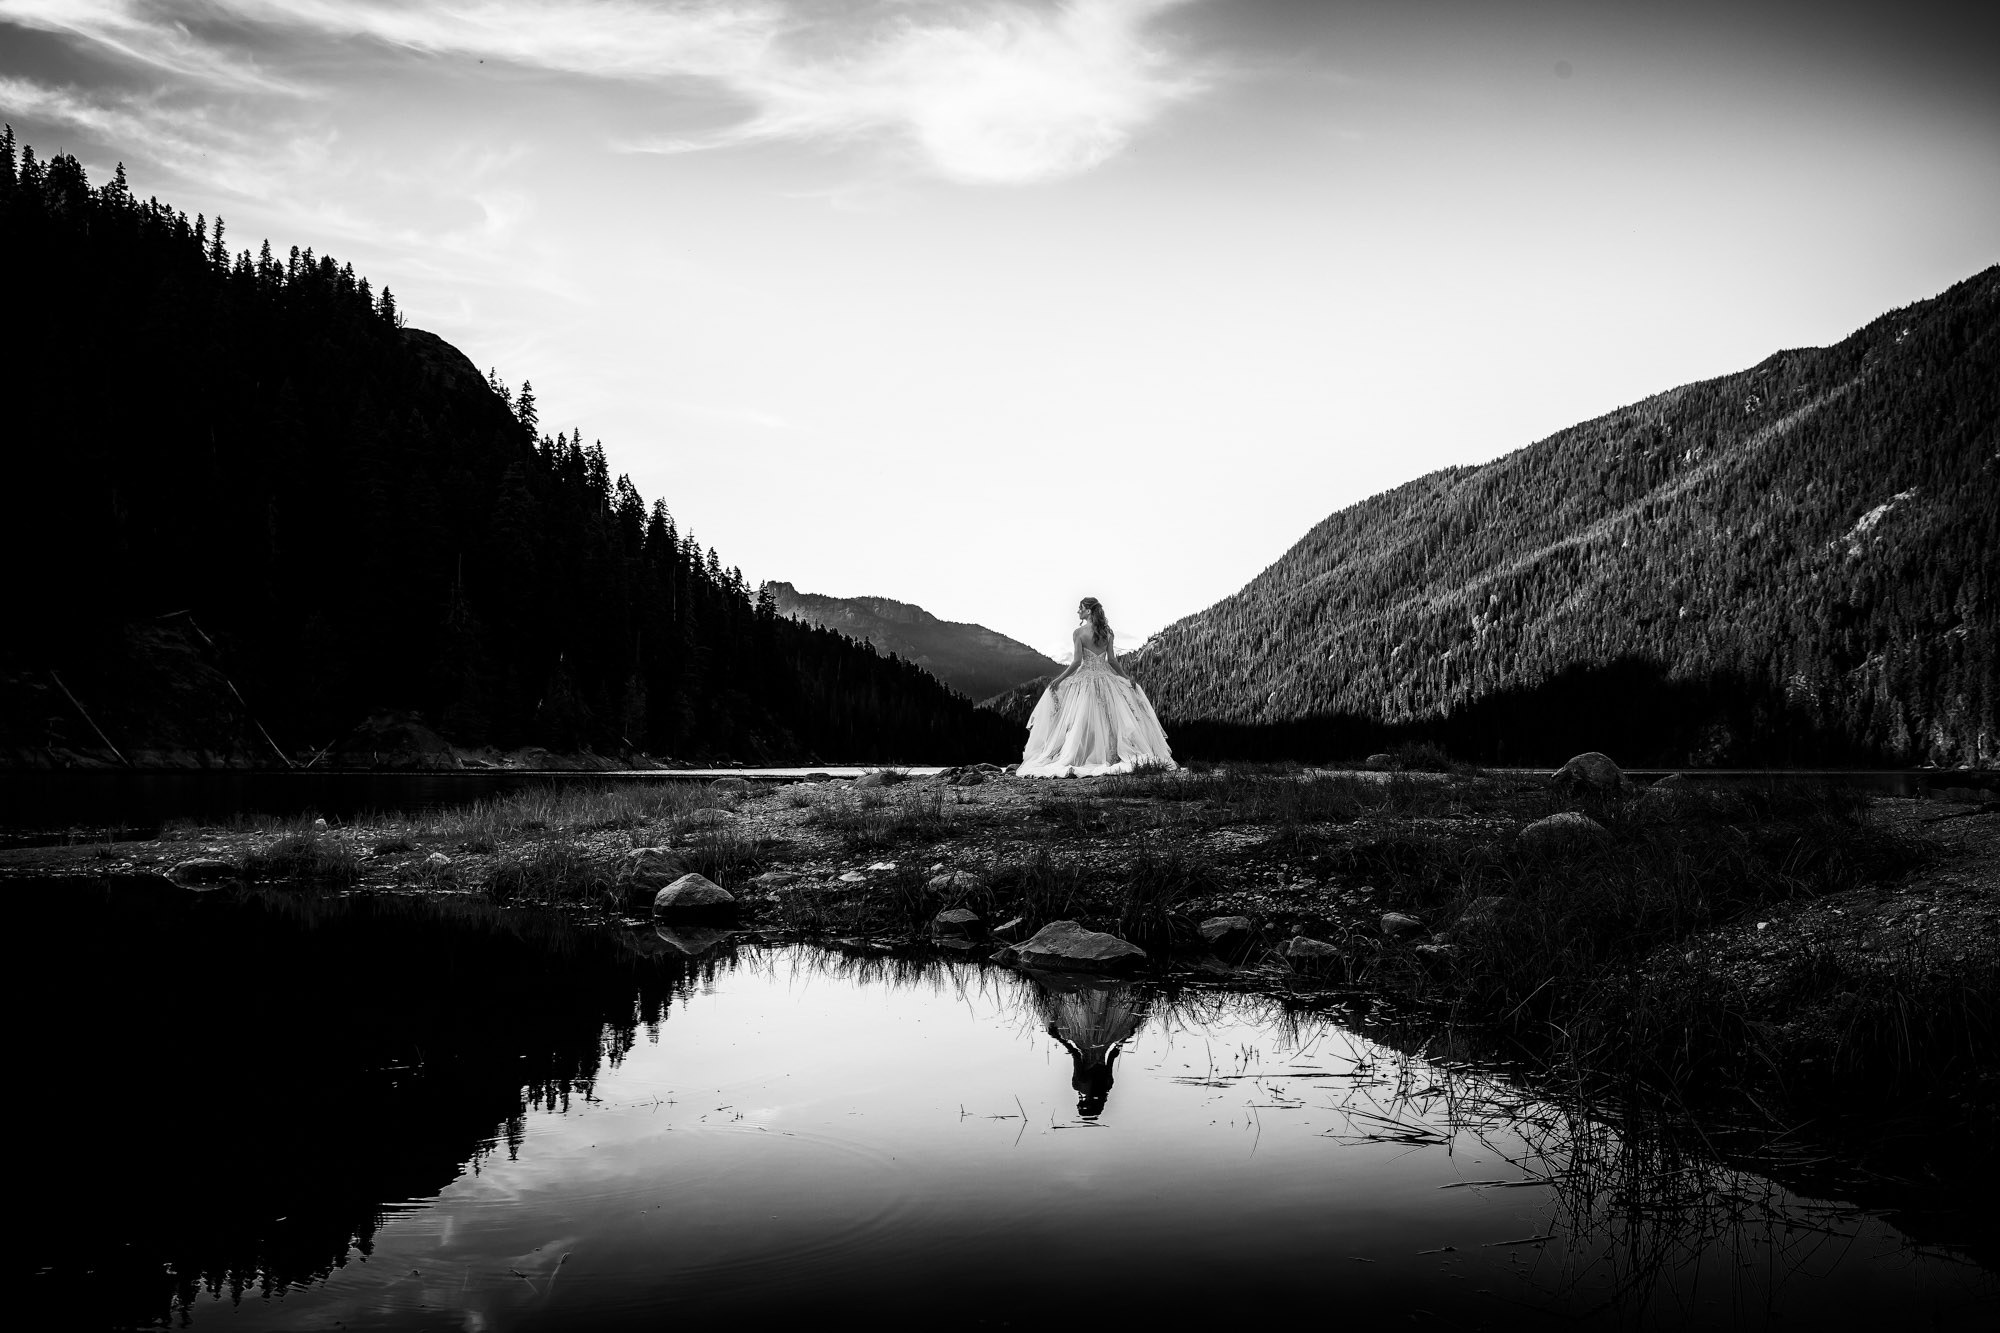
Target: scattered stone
<point x="1228" y="934"/>
<point x="882" y="865"/>
<point x="1435" y="950"/>
<point x="202" y="870"/>
<point x="993" y="768"/>
<point x="819" y="777"/>
<point x="437" y="860"/>
<point x="1589" y="771"/>
<point x="973" y="778"/>
<point x="771" y="881"/>
<point x="881" y="777"/>
<point x="854" y="877"/>
<point x="733" y="786"/>
<point x="1065" y="945"/>
<point x="1396" y="924"/>
<point x="1379" y="763"/>
<point x="692" y="893"/>
<point x="1010" y="929"/>
<point x="1571" y="828"/>
<point x="319" y="826"/>
<point x="957" y="923"/>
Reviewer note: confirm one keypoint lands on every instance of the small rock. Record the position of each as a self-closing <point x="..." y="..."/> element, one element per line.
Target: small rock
<point x="1379" y="763"/>
<point x="692" y="893"/>
<point x="773" y="880"/>
<point x="882" y="865"/>
<point x="1493" y="911"/>
<point x="881" y="777"/>
<point x="1435" y="950"/>
<point x="955" y="884"/>
<point x="993" y="768"/>
<point x="649" y="869"/>
<point x="1228" y="934"/>
<point x="1010" y="929"/>
<point x="319" y="825"/>
<point x="733" y="786"/>
<point x="1302" y="951"/>
<point x="854" y="877"/>
<point x="1395" y="924"/>
<point x="972" y="779"/>
<point x="202" y="870"/>
<point x="437" y="860"/>
<point x="1589" y="771"/>
<point x="1571" y="828"/>
<point x="958" y="923"/>
<point x="819" y="777"/>
<point x="1065" y="945"/>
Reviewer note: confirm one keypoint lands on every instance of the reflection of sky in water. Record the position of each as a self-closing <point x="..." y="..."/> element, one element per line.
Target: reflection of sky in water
<point x="793" y="1138"/>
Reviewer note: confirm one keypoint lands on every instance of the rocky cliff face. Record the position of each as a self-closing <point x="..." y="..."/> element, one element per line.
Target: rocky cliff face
<point x="974" y="660"/>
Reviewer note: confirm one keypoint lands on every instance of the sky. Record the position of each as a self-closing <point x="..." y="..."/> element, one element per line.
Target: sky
<point x="988" y="305"/>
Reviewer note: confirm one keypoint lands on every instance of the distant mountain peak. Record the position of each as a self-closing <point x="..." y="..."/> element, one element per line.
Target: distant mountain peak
<point x="975" y="661"/>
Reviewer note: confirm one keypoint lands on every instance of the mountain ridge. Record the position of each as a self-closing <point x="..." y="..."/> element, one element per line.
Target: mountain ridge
<point x="1815" y="533"/>
<point x="976" y="661"/>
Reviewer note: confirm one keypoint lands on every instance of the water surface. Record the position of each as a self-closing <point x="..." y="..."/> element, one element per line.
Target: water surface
<point x="368" y="1118"/>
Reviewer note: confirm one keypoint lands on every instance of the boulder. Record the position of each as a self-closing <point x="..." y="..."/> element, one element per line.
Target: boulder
<point x="1379" y="763"/>
<point x="691" y="940"/>
<point x="1067" y="946"/>
<point x="1228" y="934"/>
<point x="1396" y="924"/>
<point x="437" y="860"/>
<point x="202" y="870"/>
<point x="971" y="779"/>
<point x="733" y="787"/>
<point x="881" y="777"/>
<point x="957" y="923"/>
<point x="1589" y="771"/>
<point x="1568" y="829"/>
<point x="991" y="768"/>
<point x="693" y="893"/>
<point x="647" y="870"/>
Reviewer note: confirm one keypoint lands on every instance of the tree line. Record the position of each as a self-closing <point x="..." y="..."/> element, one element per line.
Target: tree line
<point x="362" y="520"/>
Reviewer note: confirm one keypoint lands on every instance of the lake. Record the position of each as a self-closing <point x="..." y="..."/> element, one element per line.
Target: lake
<point x="254" y="1109"/>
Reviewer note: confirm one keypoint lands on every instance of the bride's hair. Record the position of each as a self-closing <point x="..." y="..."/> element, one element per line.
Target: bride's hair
<point x="1099" y="626"/>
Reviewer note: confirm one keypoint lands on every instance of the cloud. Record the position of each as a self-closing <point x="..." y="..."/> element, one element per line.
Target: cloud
<point x="980" y="91"/>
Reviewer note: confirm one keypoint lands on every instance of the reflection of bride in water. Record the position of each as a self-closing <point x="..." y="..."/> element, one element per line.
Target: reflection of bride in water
<point x="1092" y="1018"/>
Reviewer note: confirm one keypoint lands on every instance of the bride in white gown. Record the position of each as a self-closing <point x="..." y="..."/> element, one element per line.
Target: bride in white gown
<point x="1093" y="718"/>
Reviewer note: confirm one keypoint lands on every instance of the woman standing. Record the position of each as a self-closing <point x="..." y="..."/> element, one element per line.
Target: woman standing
<point x="1093" y="718"/>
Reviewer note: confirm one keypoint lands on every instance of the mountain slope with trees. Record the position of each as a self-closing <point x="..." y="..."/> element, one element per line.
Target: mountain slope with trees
<point x="351" y="519"/>
<point x="1797" y="562"/>
<point x="972" y="659"/>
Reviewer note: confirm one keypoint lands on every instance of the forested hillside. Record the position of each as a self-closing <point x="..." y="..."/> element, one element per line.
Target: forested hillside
<point x="1797" y="562"/>
<point x="972" y="659"/>
<point x="359" y="521"/>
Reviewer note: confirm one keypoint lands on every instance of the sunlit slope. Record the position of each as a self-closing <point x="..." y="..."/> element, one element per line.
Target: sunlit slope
<point x="1824" y="524"/>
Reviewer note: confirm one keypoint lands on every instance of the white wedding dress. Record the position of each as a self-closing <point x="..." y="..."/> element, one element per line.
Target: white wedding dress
<point x="1098" y="722"/>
